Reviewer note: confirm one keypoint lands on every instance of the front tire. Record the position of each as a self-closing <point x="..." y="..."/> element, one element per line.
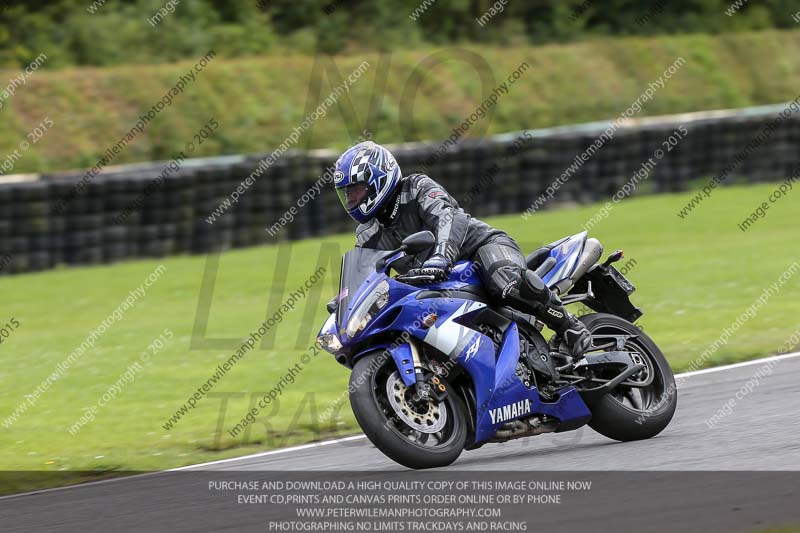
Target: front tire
<point x="630" y="413"/>
<point x="427" y="436"/>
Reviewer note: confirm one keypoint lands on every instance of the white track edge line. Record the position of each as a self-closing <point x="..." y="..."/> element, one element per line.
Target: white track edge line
<point x="272" y="452"/>
<point x="738" y="365"/>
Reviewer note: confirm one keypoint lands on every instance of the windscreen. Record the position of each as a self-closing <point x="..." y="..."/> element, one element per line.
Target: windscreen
<point x="357" y="264"/>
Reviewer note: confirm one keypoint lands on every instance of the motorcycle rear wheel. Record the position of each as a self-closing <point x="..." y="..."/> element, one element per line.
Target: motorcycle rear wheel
<point x="417" y="435"/>
<point x="631" y="413"/>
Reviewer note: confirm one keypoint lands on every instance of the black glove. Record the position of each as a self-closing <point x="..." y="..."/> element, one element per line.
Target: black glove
<point x="437" y="266"/>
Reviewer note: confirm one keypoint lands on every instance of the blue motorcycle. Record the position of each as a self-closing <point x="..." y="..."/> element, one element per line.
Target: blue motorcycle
<point x="436" y="368"/>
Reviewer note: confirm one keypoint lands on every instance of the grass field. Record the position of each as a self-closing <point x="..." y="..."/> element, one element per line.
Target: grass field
<point x="694" y="278"/>
<point x="596" y="79"/>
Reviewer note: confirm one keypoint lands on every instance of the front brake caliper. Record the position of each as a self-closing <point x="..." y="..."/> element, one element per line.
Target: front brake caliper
<point x="431" y="389"/>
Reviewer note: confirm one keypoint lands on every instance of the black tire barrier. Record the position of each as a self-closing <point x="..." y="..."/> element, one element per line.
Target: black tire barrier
<point x="126" y="212"/>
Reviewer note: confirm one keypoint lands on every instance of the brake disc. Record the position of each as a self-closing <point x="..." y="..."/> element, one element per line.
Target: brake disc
<point x="431" y="421"/>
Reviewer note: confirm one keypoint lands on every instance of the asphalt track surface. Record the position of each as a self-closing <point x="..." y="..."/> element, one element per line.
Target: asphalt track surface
<point x="761" y="433"/>
<point x="730" y="477"/>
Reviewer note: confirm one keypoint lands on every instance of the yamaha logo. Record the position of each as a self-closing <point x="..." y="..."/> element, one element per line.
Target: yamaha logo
<point x="511" y="411"/>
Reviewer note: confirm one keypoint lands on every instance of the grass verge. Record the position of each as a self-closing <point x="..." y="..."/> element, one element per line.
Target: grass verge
<point x="596" y="79"/>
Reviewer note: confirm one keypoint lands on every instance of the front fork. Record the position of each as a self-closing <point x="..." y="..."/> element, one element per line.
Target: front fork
<point x="427" y="387"/>
<point x="425" y="383"/>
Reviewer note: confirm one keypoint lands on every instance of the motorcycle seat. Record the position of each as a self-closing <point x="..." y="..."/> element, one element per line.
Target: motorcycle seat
<point x="540" y="261"/>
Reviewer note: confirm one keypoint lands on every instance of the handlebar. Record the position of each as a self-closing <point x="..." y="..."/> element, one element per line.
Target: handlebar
<point x="413" y="278"/>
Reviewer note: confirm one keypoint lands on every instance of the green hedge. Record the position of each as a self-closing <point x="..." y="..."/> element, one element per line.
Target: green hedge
<point x="258" y="101"/>
<point x="112" y="32"/>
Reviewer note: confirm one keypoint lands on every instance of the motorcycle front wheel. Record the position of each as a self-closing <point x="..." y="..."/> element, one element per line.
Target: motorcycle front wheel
<point x="413" y="432"/>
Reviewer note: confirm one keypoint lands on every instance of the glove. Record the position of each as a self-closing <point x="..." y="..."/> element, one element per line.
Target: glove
<point x="437" y="266"/>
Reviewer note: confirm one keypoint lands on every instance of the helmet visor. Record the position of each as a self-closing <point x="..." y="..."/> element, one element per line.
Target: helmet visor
<point x="353" y="195"/>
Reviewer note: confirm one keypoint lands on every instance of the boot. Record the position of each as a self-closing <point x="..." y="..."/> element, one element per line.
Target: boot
<point x="547" y="307"/>
<point x="576" y="337"/>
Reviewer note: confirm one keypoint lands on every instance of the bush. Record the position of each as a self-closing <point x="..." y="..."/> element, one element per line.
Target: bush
<point x="110" y="32"/>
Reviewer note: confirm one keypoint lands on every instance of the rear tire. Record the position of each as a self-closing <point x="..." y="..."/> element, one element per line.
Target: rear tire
<point x="617" y="415"/>
<point x="391" y="435"/>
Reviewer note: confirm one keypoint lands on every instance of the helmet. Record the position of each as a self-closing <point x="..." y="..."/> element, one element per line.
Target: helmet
<point x="366" y="176"/>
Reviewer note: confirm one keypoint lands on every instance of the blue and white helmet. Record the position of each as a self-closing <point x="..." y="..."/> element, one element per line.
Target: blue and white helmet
<point x="365" y="177"/>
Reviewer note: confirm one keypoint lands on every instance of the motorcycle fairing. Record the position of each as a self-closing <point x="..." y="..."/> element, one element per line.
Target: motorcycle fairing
<point x="501" y="396"/>
<point x="496" y="383"/>
<point x="566" y="252"/>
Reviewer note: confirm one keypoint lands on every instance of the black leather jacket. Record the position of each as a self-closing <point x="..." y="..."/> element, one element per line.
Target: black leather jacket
<point x="419" y="204"/>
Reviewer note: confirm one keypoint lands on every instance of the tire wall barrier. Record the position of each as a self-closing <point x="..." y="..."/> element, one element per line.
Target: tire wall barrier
<point x="124" y="212"/>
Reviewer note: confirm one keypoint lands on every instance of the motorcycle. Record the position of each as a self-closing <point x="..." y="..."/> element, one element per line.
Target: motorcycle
<point x="437" y="369"/>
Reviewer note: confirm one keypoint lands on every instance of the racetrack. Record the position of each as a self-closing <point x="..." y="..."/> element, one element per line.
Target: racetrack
<point x="129" y="436"/>
<point x="760" y="434"/>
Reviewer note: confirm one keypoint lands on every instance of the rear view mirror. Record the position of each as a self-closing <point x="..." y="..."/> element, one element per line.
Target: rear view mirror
<point x="416" y="242"/>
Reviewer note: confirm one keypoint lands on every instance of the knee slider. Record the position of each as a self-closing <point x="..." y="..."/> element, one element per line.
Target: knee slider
<point x="503" y="280"/>
<point x="533" y="288"/>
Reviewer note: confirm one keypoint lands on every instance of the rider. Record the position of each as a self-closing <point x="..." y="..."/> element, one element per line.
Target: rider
<point x="390" y="206"/>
